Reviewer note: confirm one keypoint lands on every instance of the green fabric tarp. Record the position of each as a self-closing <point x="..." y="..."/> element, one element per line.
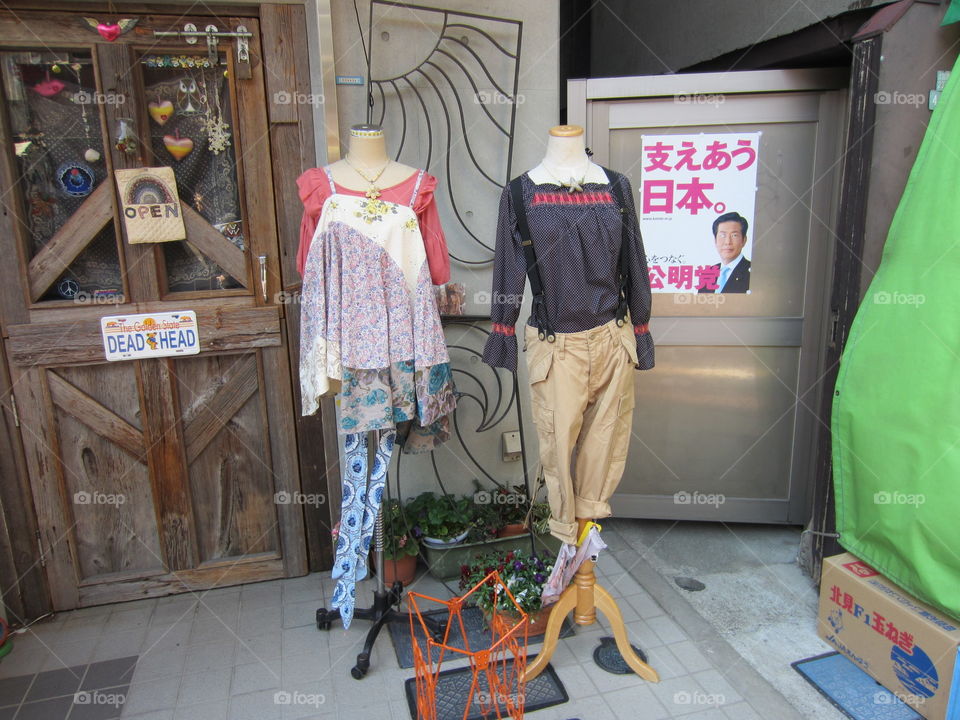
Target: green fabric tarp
<point x="953" y="13"/>
<point x="896" y="407"/>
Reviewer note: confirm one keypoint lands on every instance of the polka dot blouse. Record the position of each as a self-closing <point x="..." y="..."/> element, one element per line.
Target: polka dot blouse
<point x="577" y="239"/>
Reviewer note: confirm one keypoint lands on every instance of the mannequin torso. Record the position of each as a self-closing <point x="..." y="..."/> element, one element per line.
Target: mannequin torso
<point x="368" y="153"/>
<point x="566" y="158"/>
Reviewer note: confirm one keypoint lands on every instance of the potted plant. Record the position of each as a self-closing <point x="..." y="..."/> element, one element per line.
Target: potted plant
<point x="400" y="547"/>
<point x="523" y="573"/>
<point x="512" y="507"/>
<point x="440" y="520"/>
<point x="485" y="523"/>
<point x="540" y="518"/>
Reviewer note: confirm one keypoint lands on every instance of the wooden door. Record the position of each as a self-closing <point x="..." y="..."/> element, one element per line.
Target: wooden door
<point x="155" y="475"/>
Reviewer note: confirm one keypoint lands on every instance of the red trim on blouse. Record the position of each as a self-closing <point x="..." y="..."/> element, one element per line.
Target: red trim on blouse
<point x="577" y="198"/>
<point x="507" y="330"/>
<point x="641" y="329"/>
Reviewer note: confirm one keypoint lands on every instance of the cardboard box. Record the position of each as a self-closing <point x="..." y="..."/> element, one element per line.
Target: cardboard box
<point x="904" y="644"/>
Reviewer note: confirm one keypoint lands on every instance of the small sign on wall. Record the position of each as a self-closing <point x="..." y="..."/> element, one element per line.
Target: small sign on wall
<point x="150" y="205"/>
<point x="128" y="337"/>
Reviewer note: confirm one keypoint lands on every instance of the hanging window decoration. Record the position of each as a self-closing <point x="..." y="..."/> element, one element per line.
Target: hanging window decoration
<point x="110" y="31"/>
<point x="150" y="205"/>
<point x="125" y="139"/>
<point x="188" y="100"/>
<point x="160" y="111"/>
<point x="75" y="179"/>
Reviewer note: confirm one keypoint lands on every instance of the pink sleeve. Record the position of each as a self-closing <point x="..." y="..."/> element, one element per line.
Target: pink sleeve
<point x="314" y="189"/>
<point x="434" y="241"/>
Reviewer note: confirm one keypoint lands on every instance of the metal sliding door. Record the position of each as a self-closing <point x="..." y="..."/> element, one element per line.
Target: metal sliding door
<point x="725" y="425"/>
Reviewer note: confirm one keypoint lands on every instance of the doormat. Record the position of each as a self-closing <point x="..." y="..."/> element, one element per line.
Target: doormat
<point x="607" y="657"/>
<point x="851" y="690"/>
<point x="477" y="633"/>
<point x="453" y="688"/>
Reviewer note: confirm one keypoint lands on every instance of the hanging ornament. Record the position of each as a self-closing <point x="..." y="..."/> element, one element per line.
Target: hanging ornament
<point x="125" y="139"/>
<point x="218" y="135"/>
<point x="177" y="146"/>
<point x="48" y="87"/>
<point x="91" y="154"/>
<point x="75" y="179"/>
<point x="186" y="94"/>
<point x="161" y="111"/>
<point x="218" y="131"/>
<point x="110" y="31"/>
<point x="55" y="68"/>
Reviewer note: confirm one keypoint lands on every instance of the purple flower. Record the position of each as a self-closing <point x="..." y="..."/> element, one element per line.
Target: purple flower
<point x="538" y="578"/>
<point x="417" y="532"/>
<point x="518" y="565"/>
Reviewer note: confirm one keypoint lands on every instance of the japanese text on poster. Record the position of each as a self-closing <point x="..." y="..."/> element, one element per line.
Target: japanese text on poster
<point x="697" y="203"/>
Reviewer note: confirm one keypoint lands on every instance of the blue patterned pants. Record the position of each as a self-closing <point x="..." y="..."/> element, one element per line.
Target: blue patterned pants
<point x="362" y="497"/>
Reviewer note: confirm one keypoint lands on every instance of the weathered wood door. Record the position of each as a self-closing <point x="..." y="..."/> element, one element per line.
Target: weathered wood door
<point x="155" y="475"/>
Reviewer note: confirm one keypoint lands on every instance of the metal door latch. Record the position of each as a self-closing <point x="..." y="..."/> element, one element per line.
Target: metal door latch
<point x="263" y="276"/>
<point x="190" y="34"/>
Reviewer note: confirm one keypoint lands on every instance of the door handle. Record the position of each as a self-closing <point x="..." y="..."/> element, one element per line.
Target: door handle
<point x="263" y="275"/>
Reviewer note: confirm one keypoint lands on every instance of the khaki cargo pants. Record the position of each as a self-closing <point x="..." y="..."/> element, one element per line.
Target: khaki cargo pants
<point x="582" y="393"/>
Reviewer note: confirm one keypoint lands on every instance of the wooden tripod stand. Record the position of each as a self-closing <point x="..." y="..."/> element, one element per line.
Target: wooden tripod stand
<point x="584" y="596"/>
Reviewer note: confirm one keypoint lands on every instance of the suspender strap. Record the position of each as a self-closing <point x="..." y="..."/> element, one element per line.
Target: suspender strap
<point x="533" y="272"/>
<point x="624" y="250"/>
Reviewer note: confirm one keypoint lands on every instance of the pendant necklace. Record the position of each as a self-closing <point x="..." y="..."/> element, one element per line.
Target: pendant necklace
<point x="373" y="192"/>
<point x="572" y="185"/>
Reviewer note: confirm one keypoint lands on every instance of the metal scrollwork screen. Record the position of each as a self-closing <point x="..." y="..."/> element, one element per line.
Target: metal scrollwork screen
<point x="443" y="85"/>
<point x="485" y="398"/>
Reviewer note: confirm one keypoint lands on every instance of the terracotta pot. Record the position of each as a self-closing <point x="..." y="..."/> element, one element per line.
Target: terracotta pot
<point x="536" y="620"/>
<point x="403" y="569"/>
<point x="511" y="529"/>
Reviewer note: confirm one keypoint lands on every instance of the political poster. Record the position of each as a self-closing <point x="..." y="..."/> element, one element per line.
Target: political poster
<point x="697" y="204"/>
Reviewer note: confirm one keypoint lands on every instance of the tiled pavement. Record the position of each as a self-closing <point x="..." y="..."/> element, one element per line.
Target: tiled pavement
<point x="228" y="652"/>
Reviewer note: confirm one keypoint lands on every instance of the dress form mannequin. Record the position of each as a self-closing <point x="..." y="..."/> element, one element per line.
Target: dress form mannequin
<point x="566" y="160"/>
<point x="381" y="269"/>
<point x="368" y="154"/>
<point x="567" y="165"/>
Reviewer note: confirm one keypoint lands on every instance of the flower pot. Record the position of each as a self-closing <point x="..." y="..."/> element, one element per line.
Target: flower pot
<point x="403" y="569"/>
<point x="447" y="542"/>
<point x="536" y="620"/>
<point x="444" y="563"/>
<point x="511" y="529"/>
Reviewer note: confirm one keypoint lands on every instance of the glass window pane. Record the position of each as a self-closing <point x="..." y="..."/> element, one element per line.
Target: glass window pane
<point x="54" y="115"/>
<point x="192" y="130"/>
